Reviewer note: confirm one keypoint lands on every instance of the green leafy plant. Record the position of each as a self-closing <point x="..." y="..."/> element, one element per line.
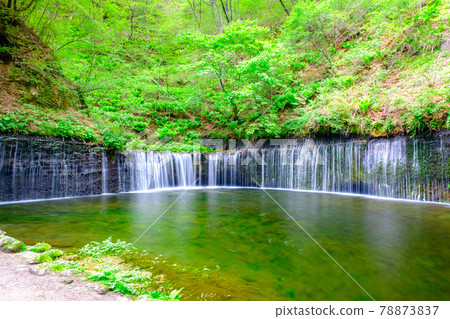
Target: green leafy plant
<point x="364" y="105"/>
<point x="106" y="247"/>
<point x="120" y="280"/>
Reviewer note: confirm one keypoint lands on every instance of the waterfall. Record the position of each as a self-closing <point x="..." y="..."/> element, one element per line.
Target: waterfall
<point x="105" y="173"/>
<point x="35" y="169"/>
<point x="416" y="169"/>
<point x="396" y="168"/>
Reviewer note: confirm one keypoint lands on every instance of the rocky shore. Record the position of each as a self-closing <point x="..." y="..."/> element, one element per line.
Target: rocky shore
<point x="23" y="278"/>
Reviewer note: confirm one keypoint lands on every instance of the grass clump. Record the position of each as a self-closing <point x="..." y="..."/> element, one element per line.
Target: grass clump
<point x="62" y="264"/>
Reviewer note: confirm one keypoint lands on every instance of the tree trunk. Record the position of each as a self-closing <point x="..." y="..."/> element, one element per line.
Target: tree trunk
<point x="284" y="7"/>
<point x="217" y="16"/>
<point x="192" y="5"/>
<point x="225" y="12"/>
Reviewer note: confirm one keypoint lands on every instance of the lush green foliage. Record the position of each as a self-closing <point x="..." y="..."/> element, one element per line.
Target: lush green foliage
<point x="182" y="70"/>
<point x="105" y="248"/>
<point x="120" y="280"/>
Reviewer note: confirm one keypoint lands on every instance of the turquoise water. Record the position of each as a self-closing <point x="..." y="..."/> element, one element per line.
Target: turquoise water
<point x="396" y="250"/>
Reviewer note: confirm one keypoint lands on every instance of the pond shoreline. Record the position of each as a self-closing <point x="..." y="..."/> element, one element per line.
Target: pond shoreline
<point x="21" y="281"/>
<point x="106" y="268"/>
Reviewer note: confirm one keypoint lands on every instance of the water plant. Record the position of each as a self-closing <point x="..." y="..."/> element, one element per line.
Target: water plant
<point x="105" y="248"/>
<point x="126" y="280"/>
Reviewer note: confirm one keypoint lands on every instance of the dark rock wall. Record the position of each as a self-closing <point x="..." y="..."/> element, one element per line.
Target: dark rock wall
<point x="35" y="168"/>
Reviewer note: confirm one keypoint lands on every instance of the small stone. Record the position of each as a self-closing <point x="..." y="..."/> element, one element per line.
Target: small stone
<point x="38" y="271"/>
<point x="30" y="257"/>
<point x="101" y="289"/>
<point x="2" y="233"/>
<point x="67" y="273"/>
<point x="67" y="281"/>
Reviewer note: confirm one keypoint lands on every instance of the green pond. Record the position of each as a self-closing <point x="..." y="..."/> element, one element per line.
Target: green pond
<point x="396" y="250"/>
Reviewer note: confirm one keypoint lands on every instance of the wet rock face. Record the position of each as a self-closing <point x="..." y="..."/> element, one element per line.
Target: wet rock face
<point x="36" y="168"/>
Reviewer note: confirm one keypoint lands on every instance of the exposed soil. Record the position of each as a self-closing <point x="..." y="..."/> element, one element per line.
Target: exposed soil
<point x="8" y="92"/>
<point x="17" y="283"/>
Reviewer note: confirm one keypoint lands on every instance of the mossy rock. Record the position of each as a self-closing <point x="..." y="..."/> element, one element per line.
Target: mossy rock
<point x="43" y="258"/>
<point x="11" y="245"/>
<point x="30" y="257"/>
<point x="40" y="247"/>
<point x="54" y="253"/>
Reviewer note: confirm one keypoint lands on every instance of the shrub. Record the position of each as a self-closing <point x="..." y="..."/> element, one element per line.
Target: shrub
<point x="347" y="81"/>
<point x="139" y="126"/>
<point x="114" y="140"/>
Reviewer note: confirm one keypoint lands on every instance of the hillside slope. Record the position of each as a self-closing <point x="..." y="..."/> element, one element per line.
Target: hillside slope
<point x="35" y="97"/>
<point x="253" y="70"/>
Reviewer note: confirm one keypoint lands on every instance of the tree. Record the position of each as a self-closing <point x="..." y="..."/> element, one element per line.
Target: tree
<point x="319" y="26"/>
<point x="22" y="6"/>
<point x="249" y="69"/>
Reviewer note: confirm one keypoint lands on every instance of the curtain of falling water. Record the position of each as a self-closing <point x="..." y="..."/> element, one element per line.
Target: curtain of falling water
<point x="401" y="168"/>
<point x="398" y="168"/>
